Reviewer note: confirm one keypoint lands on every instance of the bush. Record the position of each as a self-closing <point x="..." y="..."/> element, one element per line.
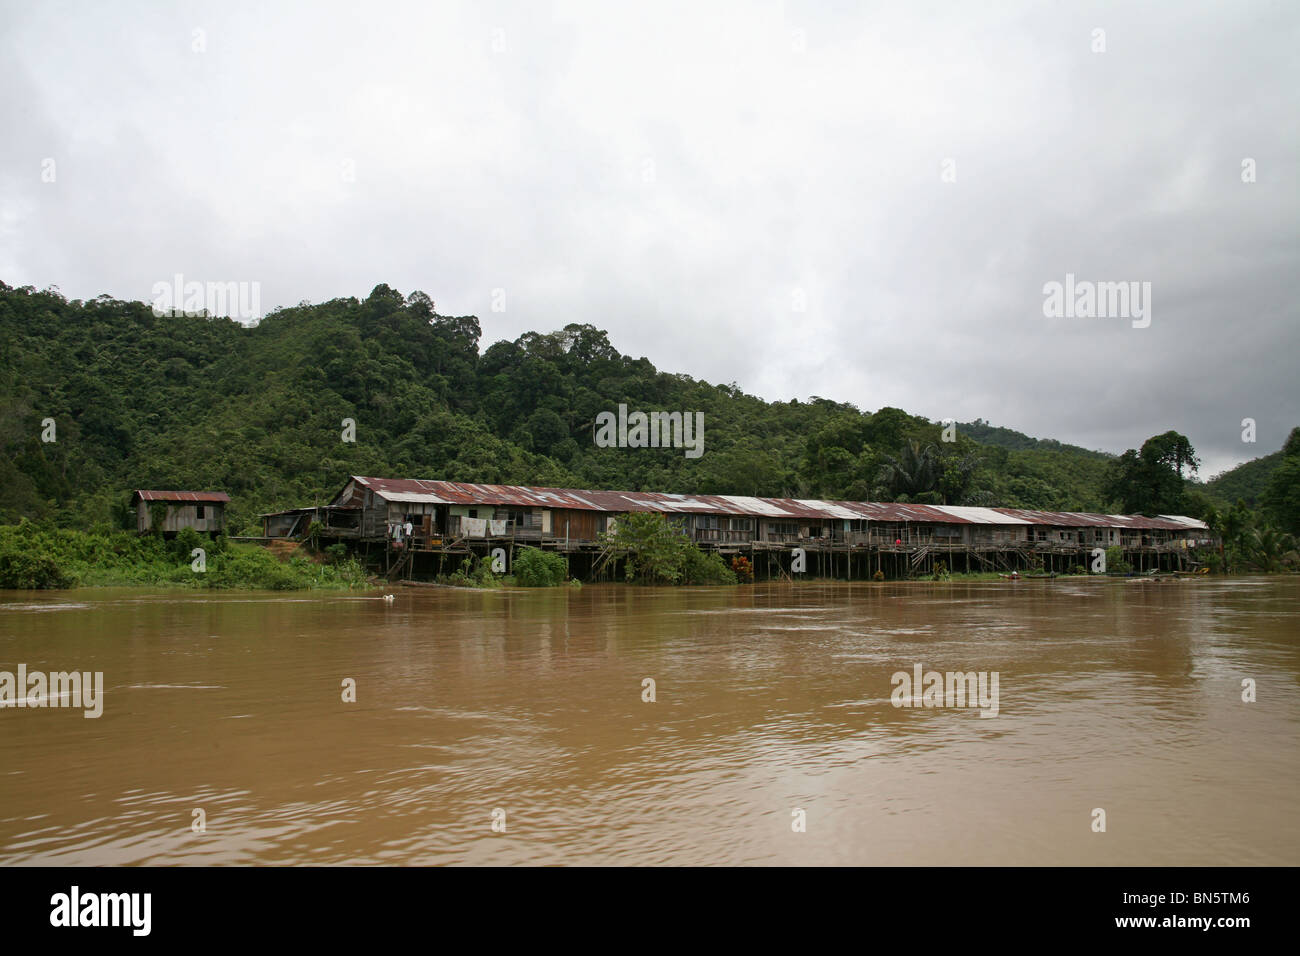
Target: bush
<point x="186" y="540"/>
<point x="474" y="572"/>
<point x="539" y="569"/>
<point x="1115" y="560"/>
<point x="658" y="551"/>
<point x="253" y="568"/>
<point x="33" y="556"/>
<point x="701" y="568"/>
<point x="24" y="569"/>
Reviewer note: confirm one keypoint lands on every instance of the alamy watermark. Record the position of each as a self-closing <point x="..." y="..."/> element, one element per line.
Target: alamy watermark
<point x="57" y="689"/>
<point x="234" y="300"/>
<point x="923" y="688"/>
<point x="75" y="908"/>
<point x="652" y="430"/>
<point x="1085" y="299"/>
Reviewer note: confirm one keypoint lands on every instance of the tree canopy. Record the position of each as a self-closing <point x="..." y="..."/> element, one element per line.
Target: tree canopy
<point x="196" y="402"/>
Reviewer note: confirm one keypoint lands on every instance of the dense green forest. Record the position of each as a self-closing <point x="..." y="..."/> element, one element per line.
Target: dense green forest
<point x="142" y="401"/>
<point x="1247" y="482"/>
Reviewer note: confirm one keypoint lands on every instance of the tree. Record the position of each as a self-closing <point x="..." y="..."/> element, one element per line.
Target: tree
<point x="957" y="476"/>
<point x="914" y="471"/>
<point x="1150" y="481"/>
<point x="837" y="454"/>
<point x="1281" y="499"/>
<point x="657" y="551"/>
<point x="1269" y="550"/>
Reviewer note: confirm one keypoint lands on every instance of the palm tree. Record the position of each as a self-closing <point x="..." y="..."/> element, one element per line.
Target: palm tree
<point x="914" y="471"/>
<point x="1270" y="550"/>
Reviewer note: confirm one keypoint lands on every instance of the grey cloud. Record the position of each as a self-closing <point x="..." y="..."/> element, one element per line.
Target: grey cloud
<point x="674" y="173"/>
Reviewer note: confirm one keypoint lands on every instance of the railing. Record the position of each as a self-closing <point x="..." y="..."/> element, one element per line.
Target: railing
<point x="787" y="537"/>
<point x="719" y="536"/>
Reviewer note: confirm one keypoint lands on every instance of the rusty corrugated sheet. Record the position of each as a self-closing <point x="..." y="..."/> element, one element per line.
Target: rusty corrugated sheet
<point x="205" y="496"/>
<point x="894" y="513"/>
<point x="614" y="502"/>
<point x="1058" y="519"/>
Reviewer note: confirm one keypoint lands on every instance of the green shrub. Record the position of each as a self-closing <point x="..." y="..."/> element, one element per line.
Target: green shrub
<point x="539" y="569"/>
<point x="186" y="540"/>
<point x="35" y="556"/>
<point x="25" y="569"/>
<point x="1115" y="560"/>
<point x="658" y="551"/>
<point x="474" y="572"/>
<point x="710" y="568"/>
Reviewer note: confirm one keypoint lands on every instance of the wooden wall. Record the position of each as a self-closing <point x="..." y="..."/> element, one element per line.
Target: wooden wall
<point x="182" y="514"/>
<point x="583" y="525"/>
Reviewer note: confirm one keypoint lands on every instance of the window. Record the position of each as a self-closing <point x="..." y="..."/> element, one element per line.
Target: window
<point x="198" y="512"/>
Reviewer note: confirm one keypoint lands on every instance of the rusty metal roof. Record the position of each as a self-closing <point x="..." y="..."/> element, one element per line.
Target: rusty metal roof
<point x="893" y="512"/>
<point x="981" y="515"/>
<point x="216" y="496"/>
<point x="1081" y="519"/>
<point x="615" y="502"/>
<point x="1060" y="519"/>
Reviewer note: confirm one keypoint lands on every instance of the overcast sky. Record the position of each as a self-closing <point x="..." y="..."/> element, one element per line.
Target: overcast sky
<point x="687" y="176"/>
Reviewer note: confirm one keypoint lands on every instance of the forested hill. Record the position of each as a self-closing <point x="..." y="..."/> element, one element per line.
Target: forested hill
<point x="189" y="402"/>
<point x="987" y="434"/>
<point x="1247" y="482"/>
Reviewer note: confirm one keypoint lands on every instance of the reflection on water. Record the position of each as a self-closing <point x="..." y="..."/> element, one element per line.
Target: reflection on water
<point x="769" y="698"/>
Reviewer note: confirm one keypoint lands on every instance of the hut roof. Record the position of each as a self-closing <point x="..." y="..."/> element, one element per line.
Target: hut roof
<point x="219" y="497"/>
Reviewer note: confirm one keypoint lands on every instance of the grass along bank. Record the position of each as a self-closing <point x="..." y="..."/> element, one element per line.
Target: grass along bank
<point x="42" y="556"/>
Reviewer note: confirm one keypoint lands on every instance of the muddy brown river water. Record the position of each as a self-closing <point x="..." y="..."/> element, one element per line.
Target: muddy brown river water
<point x="772" y="708"/>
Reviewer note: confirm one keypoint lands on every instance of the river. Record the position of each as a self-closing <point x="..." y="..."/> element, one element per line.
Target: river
<point x="506" y="727"/>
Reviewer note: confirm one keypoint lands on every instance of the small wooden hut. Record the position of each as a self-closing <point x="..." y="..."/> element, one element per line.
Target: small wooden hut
<point x="204" y="511"/>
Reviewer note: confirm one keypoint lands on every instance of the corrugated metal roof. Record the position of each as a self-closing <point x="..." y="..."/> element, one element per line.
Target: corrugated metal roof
<point x="980" y="515"/>
<point x="614" y="502"/>
<point x="756" y="506"/>
<point x="894" y="512"/>
<point x="1059" y="519"/>
<point x="216" y="496"/>
<point x="417" y="498"/>
<point x="1187" y="522"/>
<point x="832" y="508"/>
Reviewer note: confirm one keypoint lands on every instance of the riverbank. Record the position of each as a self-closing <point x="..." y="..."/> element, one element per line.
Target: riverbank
<point x="40" y="557"/>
